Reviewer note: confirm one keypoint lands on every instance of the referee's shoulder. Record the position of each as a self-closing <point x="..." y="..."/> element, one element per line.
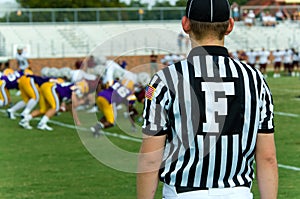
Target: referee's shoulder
<point x="173" y="66"/>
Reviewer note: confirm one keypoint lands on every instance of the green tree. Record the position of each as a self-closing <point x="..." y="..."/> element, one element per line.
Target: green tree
<point x="162" y="4"/>
<point x="137" y="3"/>
<point x="70" y="3"/>
<point x="240" y="2"/>
<point x="181" y="3"/>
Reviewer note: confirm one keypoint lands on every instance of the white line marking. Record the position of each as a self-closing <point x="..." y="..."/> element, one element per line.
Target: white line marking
<point x="71" y="126"/>
<point x="287" y="114"/>
<point x="288" y="167"/>
<point x="124" y="137"/>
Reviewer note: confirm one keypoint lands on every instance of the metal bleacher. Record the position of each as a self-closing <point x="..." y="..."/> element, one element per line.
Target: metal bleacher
<point x="131" y="38"/>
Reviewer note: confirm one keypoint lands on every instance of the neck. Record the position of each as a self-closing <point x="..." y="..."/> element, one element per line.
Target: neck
<point x="209" y="41"/>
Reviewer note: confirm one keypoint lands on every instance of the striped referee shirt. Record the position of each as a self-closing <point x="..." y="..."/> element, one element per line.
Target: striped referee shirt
<point x="211" y="108"/>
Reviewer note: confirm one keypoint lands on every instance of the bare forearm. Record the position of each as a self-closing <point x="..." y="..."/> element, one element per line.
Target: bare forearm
<point x="147" y="185"/>
<point x="266" y="166"/>
<point x="267" y="177"/>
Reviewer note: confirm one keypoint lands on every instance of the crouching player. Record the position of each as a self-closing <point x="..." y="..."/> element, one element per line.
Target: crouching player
<point x="107" y="101"/>
<point x="29" y="93"/>
<point x="52" y="95"/>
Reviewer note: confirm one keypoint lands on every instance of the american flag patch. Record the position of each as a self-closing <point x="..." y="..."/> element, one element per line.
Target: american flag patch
<point x="149" y="92"/>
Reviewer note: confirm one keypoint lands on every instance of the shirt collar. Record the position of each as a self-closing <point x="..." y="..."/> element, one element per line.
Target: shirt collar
<point x="209" y="50"/>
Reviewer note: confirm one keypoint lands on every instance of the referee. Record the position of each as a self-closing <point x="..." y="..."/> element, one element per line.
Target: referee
<point x="207" y="118"/>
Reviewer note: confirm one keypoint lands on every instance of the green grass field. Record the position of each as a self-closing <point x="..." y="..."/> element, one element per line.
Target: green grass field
<point x="38" y="164"/>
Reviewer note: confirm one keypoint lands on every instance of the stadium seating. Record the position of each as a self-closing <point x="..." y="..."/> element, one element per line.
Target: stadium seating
<point x="131" y="38"/>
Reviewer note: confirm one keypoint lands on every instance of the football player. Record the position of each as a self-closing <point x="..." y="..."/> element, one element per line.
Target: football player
<point x="108" y="99"/>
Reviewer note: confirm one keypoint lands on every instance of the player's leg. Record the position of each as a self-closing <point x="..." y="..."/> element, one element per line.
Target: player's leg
<point x="11" y="111"/>
<point x="108" y="115"/>
<point x="277" y="69"/>
<point x="52" y="101"/>
<point x="21" y="104"/>
<point x="298" y="69"/>
<point x="32" y="92"/>
<point x="25" y="122"/>
<point x="3" y="96"/>
<point x="132" y="114"/>
<point x="263" y="69"/>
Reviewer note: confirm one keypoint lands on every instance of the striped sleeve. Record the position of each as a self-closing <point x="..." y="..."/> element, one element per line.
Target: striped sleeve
<point x="156" y="105"/>
<point x="266" y="124"/>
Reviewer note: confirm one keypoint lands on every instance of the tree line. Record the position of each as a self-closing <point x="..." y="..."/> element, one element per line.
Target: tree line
<point x="101" y="3"/>
<point x="95" y="16"/>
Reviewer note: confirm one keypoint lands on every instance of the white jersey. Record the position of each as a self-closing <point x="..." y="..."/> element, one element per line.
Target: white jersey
<point x="288" y="57"/>
<point x="78" y="75"/>
<point x="278" y="56"/>
<point x="251" y="57"/>
<point x="295" y="57"/>
<point x="263" y="57"/>
<point x="22" y="61"/>
<point x="169" y="59"/>
<point x="235" y="55"/>
<point x="114" y="70"/>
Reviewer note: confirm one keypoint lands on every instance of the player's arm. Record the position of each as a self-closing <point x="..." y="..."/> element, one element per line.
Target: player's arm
<point x="75" y="103"/>
<point x="266" y="166"/>
<point x="149" y="162"/>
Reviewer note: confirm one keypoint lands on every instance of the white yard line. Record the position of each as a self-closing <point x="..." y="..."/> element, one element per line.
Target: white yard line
<point x="287" y="114"/>
<point x="124" y="137"/>
<point x="288" y="167"/>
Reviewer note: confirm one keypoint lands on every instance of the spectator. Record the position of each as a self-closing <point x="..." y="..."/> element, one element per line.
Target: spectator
<point x="279" y="15"/>
<point x="268" y="20"/>
<point x="235" y="11"/>
<point x="244" y="14"/>
<point x="234" y="55"/>
<point x="187" y="42"/>
<point x="250" y="19"/>
<point x="123" y="64"/>
<point x="180" y="39"/>
<point x="295" y="15"/>
<point x="21" y="59"/>
<point x="153" y="63"/>
<point x="91" y="63"/>
<point x="169" y="59"/>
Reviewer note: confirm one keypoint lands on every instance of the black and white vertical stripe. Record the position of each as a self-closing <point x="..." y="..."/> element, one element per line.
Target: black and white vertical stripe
<point x="196" y="158"/>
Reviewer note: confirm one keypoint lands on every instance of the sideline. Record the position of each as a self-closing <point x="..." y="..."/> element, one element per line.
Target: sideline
<point x="124" y="137"/>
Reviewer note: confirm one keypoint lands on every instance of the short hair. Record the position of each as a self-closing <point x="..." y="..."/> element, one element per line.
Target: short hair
<point x="202" y="29"/>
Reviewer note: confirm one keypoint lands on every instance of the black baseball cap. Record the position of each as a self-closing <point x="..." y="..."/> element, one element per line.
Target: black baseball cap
<point x="208" y="10"/>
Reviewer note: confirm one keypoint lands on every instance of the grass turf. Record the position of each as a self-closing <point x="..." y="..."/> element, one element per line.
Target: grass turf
<point x="37" y="164"/>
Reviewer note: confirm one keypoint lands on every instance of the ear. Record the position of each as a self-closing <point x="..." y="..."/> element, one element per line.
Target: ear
<point x="230" y="26"/>
<point x="186" y="24"/>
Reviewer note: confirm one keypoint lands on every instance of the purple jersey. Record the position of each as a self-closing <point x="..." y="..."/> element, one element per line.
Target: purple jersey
<point x="64" y="91"/>
<point x="39" y="80"/>
<point x="117" y="93"/>
<point x="12" y="80"/>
